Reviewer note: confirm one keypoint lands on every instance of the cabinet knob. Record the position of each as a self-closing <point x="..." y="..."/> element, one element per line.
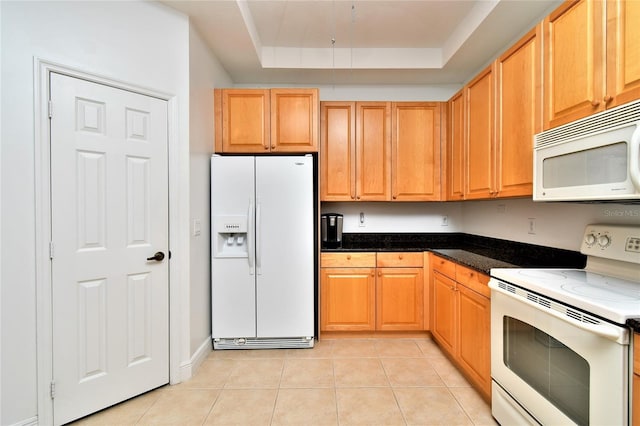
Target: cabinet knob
<point x="358" y="197"/>
<point x="595" y="103"/>
<point x="379" y="273"/>
<point x="400" y="256"/>
<point x="348" y="257"/>
<point x="273" y="147"/>
<point x="608" y="99"/>
<point x="266" y="147"/>
<point x="395" y="197"/>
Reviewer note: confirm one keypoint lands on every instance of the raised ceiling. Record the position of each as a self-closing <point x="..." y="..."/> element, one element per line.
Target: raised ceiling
<point x="359" y="42"/>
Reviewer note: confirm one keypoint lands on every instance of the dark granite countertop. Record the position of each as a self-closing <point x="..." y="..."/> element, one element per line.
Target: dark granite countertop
<point x="472" y="260"/>
<point x="477" y="252"/>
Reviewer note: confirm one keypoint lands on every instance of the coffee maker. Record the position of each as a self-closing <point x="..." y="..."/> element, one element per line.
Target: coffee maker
<point x="331" y="230"/>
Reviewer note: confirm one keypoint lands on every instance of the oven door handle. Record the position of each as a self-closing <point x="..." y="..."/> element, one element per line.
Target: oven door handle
<point x="603" y="329"/>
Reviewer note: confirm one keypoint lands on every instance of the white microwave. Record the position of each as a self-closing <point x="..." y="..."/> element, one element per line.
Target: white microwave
<point x="596" y="158"/>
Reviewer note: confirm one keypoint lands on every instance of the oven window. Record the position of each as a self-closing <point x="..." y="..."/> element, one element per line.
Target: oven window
<point x="547" y="365"/>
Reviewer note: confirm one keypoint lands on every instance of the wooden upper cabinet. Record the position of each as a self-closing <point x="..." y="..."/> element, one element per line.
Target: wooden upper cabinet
<point x="623" y="51"/>
<point x="415" y="152"/>
<point x="373" y="151"/>
<point x="266" y="120"/>
<point x="355" y="154"/>
<point x="592" y="59"/>
<point x="294" y="120"/>
<point x="518" y="114"/>
<point x="337" y="151"/>
<point x="380" y="151"/>
<point x="454" y="155"/>
<point x="242" y="120"/>
<point x="479" y="136"/>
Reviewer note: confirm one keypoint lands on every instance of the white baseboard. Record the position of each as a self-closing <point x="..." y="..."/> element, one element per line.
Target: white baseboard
<point x="33" y="421"/>
<point x="187" y="370"/>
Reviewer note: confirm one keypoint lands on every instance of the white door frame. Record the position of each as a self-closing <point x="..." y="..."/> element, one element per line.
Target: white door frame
<point x="177" y="266"/>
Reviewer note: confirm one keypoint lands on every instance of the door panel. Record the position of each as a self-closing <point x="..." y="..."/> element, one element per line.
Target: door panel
<point x="233" y="278"/>
<point x="284" y="247"/>
<point x="109" y="200"/>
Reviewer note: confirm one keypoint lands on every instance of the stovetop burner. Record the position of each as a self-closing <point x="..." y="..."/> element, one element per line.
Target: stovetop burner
<point x="607" y="287"/>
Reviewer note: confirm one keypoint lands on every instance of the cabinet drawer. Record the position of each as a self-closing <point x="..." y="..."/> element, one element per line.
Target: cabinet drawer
<point x="348" y="260"/>
<point x="400" y="260"/>
<point x="474" y="280"/>
<point x="444" y="266"/>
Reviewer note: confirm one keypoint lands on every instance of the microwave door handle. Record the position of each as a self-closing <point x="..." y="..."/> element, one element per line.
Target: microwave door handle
<point x="634" y="157"/>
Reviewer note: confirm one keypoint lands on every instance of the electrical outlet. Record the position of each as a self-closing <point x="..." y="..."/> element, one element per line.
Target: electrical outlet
<point x="532" y="226"/>
<point x="444" y="221"/>
<point x="197" y="227"/>
<point x="361" y="220"/>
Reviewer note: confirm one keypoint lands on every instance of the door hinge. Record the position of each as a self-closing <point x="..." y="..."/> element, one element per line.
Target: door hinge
<point x="51" y="248"/>
<point x="50" y="109"/>
<point x="52" y="389"/>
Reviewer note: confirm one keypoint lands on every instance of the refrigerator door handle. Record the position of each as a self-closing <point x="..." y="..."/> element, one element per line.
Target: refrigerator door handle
<point x="258" y="245"/>
<point x="250" y="238"/>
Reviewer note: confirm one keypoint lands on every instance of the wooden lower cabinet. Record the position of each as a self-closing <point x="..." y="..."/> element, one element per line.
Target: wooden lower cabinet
<point x="360" y="293"/>
<point x="399" y="299"/>
<point x="474" y="336"/>
<point x="348" y="296"/>
<point x="461" y="319"/>
<point x="444" y="311"/>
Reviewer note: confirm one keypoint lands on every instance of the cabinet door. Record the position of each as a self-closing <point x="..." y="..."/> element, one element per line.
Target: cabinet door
<point x="294" y="120"/>
<point x="373" y="151"/>
<point x="399" y="299"/>
<point x="245" y="120"/>
<point x="347" y="299"/>
<point x="338" y="151"/>
<point x="474" y="339"/>
<point x="415" y="151"/>
<point x="574" y="58"/>
<point x="519" y="115"/>
<point x="443" y="305"/>
<point x="623" y="52"/>
<point x="479" y="136"/>
<point x="636" y="401"/>
<point x="455" y="148"/>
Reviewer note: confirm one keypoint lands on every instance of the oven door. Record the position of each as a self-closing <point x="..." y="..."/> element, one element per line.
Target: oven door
<point x="560" y="370"/>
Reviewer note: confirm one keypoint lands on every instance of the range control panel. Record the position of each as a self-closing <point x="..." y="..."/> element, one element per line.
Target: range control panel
<point x="618" y="242"/>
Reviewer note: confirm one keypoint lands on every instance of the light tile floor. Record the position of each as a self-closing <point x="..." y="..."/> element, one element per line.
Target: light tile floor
<point x="339" y="382"/>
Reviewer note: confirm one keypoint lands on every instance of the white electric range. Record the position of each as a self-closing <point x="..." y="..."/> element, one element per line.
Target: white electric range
<point x="561" y="351"/>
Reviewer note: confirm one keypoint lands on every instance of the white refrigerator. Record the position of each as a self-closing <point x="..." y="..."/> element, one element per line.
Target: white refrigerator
<point x="263" y="251"/>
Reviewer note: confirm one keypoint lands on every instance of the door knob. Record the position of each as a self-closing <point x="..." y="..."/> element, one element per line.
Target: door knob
<point x="158" y="257"/>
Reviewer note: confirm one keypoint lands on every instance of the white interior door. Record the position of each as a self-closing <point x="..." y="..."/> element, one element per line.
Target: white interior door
<point x="109" y="201"/>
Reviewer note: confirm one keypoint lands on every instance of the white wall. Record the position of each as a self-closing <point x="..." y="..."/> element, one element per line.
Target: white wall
<point x="139" y="43"/>
<point x="558" y="225"/>
<point x="398" y="217"/>
<point x="205" y="73"/>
